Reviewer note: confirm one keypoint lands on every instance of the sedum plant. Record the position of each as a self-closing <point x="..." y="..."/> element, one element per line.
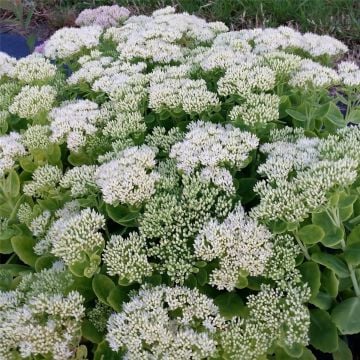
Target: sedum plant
<point x="171" y="189"/>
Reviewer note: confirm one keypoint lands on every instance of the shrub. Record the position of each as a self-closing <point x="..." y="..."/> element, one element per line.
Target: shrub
<point x="172" y="189"/>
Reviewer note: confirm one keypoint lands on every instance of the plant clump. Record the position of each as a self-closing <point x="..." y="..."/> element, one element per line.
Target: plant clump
<point x="171" y="189"/>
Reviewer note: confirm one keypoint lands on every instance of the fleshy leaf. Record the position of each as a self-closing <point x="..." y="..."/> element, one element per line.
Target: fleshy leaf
<point x="346" y="316"/>
<point x="323" y="332"/>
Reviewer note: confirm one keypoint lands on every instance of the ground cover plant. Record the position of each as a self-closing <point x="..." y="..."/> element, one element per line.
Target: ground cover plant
<point x="171" y="189"/>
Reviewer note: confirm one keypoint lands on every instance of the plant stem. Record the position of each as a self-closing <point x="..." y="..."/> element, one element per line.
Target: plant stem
<point x="352" y="272"/>
<point x="107" y="232"/>
<point x="8" y="261"/>
<point x="334" y="216"/>
<point x="302" y="246"/>
<point x="354" y="280"/>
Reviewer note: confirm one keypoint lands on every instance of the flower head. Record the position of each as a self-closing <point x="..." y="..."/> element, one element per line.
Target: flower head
<point x="32" y="101"/>
<point x="148" y="326"/>
<point x="128" y="179"/>
<point x="240" y="244"/>
<point x="10" y="149"/>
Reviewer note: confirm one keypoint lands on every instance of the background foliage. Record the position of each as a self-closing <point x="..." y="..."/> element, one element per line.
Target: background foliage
<point x="340" y="18"/>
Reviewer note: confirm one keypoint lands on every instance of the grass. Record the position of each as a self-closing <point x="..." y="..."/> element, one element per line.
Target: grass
<point x="340" y="18"/>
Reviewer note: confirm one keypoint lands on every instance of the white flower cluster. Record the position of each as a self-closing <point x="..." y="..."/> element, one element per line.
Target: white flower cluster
<point x="7" y="64"/>
<point x="127" y="258"/>
<point x="281" y="62"/>
<point x="33" y="68"/>
<point x="173" y="218"/>
<point x="162" y="139"/>
<point x="212" y="147"/>
<point x="246" y="78"/>
<point x="120" y="78"/>
<point x="269" y="39"/>
<point x="258" y="109"/>
<point x="274" y="315"/>
<point x="349" y="73"/>
<point x="292" y="197"/>
<point x="159" y="38"/>
<point x="128" y="179"/>
<point x="241" y="244"/>
<point x="44" y="244"/>
<point x="76" y="236"/>
<point x="104" y="16"/>
<point x="8" y="91"/>
<point x="32" y="101"/>
<point x="99" y="315"/>
<point x="124" y="125"/>
<point x="53" y="280"/>
<point x="25" y="213"/>
<point x="268" y="307"/>
<point x="44" y="180"/>
<point x="227" y="50"/>
<point x="67" y="42"/>
<point x="147" y="328"/>
<point x="37" y="319"/>
<point x="319" y="45"/>
<point x="285" y="38"/>
<point x="191" y="96"/>
<point x="106" y="74"/>
<point x="282" y="262"/>
<point x="312" y="74"/>
<point x="42" y="326"/>
<point x="36" y="137"/>
<point x="80" y="180"/>
<point x="73" y="121"/>
<point x="92" y="67"/>
<point x="39" y="224"/>
<point x="344" y="143"/>
<point x="10" y="149"/>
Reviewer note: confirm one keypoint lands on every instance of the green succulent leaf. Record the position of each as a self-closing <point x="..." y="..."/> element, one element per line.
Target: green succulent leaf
<point x="346" y="316"/>
<point x="116" y="298"/>
<point x="311" y="234"/>
<point x="333" y="234"/>
<point x="102" y="286"/>
<point x="352" y="251"/>
<point x="123" y="215"/>
<point x="281" y="354"/>
<point x="12" y="184"/>
<point x="323" y="332"/>
<point x="5" y="241"/>
<point x="230" y="305"/>
<point x="202" y="277"/>
<point x="332" y="262"/>
<point x="335" y="116"/>
<point x="346" y="200"/>
<point x="345" y="213"/>
<point x="354" y="116"/>
<point x="245" y="189"/>
<point x="322" y="300"/>
<point x="23" y="247"/>
<point x="343" y="352"/>
<point x="329" y="282"/>
<point x="103" y="352"/>
<point x="89" y="332"/>
<point x="297" y="115"/>
<point x="44" y="262"/>
<point x="311" y="275"/>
